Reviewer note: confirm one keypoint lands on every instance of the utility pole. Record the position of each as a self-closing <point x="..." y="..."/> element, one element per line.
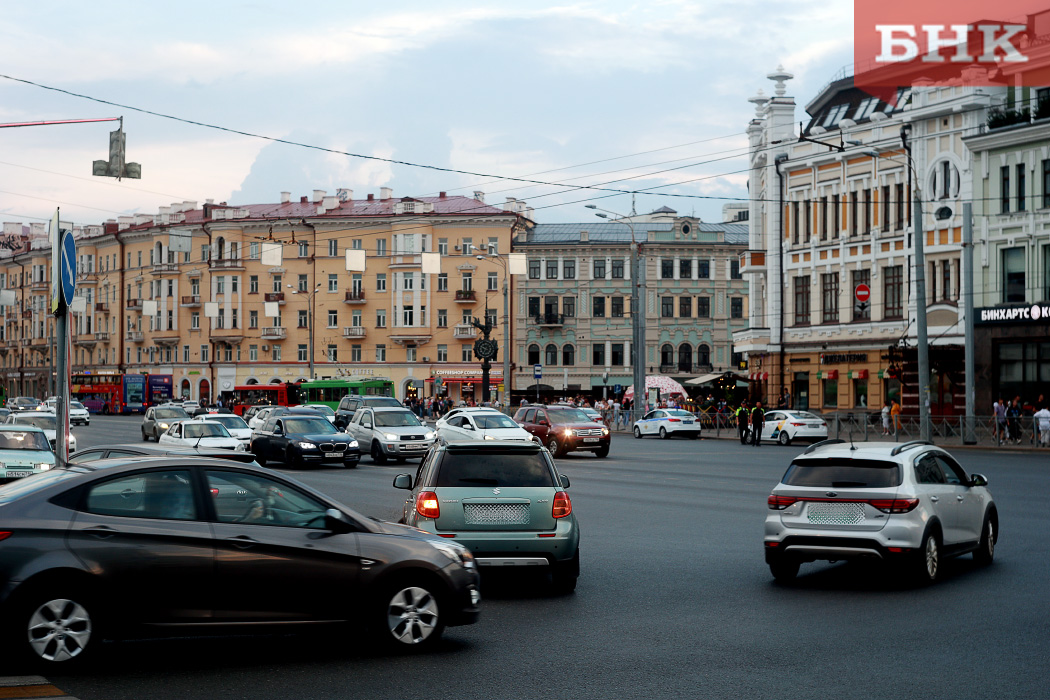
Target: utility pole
<point x="969" y="437"/>
<point x="923" y="348"/>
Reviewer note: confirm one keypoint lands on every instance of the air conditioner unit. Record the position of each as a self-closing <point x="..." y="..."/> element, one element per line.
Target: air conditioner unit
<point x="456" y="246"/>
<point x="265" y="348"/>
<point x="426" y="359"/>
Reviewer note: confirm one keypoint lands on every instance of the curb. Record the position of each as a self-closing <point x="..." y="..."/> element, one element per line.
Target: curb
<point x="15" y="687"/>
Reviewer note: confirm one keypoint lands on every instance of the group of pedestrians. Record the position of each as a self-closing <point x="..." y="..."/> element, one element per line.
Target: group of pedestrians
<point x="1007" y="424"/>
<point x="749" y="423"/>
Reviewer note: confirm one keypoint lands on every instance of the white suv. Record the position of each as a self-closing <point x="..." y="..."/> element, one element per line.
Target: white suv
<point x="910" y="502"/>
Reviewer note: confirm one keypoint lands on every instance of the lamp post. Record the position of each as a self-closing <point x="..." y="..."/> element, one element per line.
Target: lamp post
<point x="637" y="314"/>
<point x="309" y="322"/>
<point x="506" y="322"/>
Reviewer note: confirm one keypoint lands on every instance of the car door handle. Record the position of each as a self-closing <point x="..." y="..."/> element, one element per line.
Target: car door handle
<point x="242" y="541"/>
<point x="102" y="532"/>
<point x="959" y="498"/>
<point x="934" y="499"/>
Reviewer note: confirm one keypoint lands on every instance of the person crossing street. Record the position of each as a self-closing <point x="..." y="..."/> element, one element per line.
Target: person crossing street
<point x="741" y="422"/>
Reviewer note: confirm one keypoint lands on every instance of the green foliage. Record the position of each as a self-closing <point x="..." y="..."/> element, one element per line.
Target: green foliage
<point x="1007" y="116"/>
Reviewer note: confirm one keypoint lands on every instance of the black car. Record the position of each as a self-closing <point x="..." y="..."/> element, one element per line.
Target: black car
<point x="122" y="548"/>
<point x="92" y="454"/>
<point x="300" y="438"/>
<point x="350" y="403"/>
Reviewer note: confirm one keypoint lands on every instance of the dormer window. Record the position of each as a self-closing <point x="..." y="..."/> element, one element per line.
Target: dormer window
<point x="835" y="115"/>
<point x="866" y="109"/>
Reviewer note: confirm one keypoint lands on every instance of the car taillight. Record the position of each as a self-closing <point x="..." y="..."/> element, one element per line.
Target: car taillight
<point x="798" y="425"/>
<point x="776" y="502"/>
<point x="214" y="493"/>
<point x="5" y="534"/>
<point x="562" y="505"/>
<point x="427" y="505"/>
<point x="894" y="505"/>
<point x="674" y="420"/>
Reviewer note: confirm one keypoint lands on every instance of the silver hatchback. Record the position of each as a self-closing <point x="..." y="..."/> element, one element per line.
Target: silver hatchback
<point x="911" y="503"/>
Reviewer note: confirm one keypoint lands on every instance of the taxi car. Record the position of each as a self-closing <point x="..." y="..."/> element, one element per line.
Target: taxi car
<point x="667" y="422"/>
<point x="24" y="450"/>
<point x="785" y="427"/>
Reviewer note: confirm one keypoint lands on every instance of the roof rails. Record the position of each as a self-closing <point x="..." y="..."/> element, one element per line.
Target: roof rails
<point x="908" y="445"/>
<point x="823" y="443"/>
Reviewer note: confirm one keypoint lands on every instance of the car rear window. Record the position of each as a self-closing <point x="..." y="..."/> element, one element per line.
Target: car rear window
<point x="841" y="472"/>
<point x="384" y="402"/>
<point x="492" y="469"/>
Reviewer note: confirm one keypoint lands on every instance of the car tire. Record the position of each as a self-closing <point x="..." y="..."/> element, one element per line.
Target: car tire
<point x="602" y="451"/>
<point x="564" y="575"/>
<point x="784" y="439"/>
<point x="292" y="460"/>
<point x="378" y="456"/>
<point x="260" y="459"/>
<point x="985" y="552"/>
<point x="928" y="561"/>
<point x="784" y="570"/>
<point x="349" y="465"/>
<point x="553" y="447"/>
<point x="663" y="434"/>
<point x="409" y="615"/>
<point x="637" y="433"/>
<point x="145" y="438"/>
<point x="694" y="435"/>
<point x="33" y="628"/>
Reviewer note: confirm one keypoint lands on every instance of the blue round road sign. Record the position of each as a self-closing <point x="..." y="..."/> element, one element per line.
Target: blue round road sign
<point x="68" y="267"/>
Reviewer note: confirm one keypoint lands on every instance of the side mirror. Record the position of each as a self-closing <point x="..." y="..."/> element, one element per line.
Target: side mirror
<point x="542" y="421"/>
<point x="403" y="481"/>
<point x="335" y="521"/>
<point x="564" y="481"/>
<point x="277" y="430"/>
<point x="978" y="480"/>
<point x="468" y="426"/>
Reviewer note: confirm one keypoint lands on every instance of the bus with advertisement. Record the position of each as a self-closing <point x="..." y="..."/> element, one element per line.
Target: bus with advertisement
<point x="159" y="389"/>
<point x="245" y="396"/>
<point x="103" y="392"/>
<point x="331" y="391"/>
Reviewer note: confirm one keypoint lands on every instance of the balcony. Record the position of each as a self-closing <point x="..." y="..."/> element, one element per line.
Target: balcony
<point x="27" y="314"/>
<point x="466" y="296"/>
<point x="464" y="331"/>
<point x="229" y="336"/>
<point x="135" y="337"/>
<point x="227" y="264"/>
<point x="191" y="301"/>
<point x="134" y="305"/>
<point x="274" y="333"/>
<point x="274" y="296"/>
<point x="550" y="320"/>
<point x="39" y="285"/>
<point x="85" y="339"/>
<point x="353" y="331"/>
<point x="102" y="337"/>
<point x="355" y="296"/>
<point x="102" y="307"/>
<point x="752" y="262"/>
<point x="165" y="268"/>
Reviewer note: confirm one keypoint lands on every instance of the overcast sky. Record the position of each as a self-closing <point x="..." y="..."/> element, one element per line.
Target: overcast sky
<point x="525" y="89"/>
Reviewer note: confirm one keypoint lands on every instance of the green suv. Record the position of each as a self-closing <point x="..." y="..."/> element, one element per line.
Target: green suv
<point x="503" y="500"/>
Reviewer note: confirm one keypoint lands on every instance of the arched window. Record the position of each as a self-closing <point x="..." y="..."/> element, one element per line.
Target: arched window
<point x="666" y="355"/>
<point x="685" y="357"/>
<point x="568" y="355"/>
<point x="703" y="355"/>
<point x="220" y="248"/>
<point x="158" y="252"/>
<point x="534" y="354"/>
<point x="184" y="389"/>
<point x="251" y="380"/>
<point x="551" y="355"/>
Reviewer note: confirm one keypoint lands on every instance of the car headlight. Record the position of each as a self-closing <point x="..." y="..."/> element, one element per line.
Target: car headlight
<point x="44" y="466"/>
<point x="164" y="426"/>
<point x="430" y="435"/>
<point x="307" y="445"/>
<point x="352" y="443"/>
<point x="456" y="552"/>
<point x="241" y="447"/>
<point x="605" y="431"/>
<point x="568" y="432"/>
<point x="389" y="436"/>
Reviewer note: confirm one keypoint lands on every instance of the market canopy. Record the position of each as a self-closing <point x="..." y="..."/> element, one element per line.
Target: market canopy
<point x="716" y="376"/>
<point x="666" y="385"/>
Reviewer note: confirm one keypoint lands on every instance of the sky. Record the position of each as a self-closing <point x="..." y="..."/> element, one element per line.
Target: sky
<point x="634" y="96"/>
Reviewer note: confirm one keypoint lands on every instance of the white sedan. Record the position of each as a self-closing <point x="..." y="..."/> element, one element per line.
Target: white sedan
<point x="234" y="424"/>
<point x="47" y="422"/>
<point x="78" y="413"/>
<point x="785" y="426"/>
<point x="667" y="422"/>
<point x="200" y="433"/>
<point x="257" y="420"/>
<point x="479" y="424"/>
<point x="324" y="409"/>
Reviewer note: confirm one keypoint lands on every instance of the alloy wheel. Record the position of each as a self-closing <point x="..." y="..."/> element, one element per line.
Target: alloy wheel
<point x="412" y="615"/>
<point x="932" y="558"/>
<point x="59" y="630"/>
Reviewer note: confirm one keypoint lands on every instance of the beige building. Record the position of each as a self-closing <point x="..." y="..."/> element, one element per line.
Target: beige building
<point x="200" y="294"/>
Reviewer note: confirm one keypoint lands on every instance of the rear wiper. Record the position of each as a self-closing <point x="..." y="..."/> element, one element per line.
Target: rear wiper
<point x="848" y="484"/>
<point x="486" y="482"/>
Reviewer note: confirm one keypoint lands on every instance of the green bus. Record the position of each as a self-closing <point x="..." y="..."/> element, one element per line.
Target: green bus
<point x="331" y="391"/>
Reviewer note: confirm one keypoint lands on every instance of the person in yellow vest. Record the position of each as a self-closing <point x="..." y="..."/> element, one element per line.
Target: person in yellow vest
<point x="758" y="417"/>
<point x="741" y="422"/>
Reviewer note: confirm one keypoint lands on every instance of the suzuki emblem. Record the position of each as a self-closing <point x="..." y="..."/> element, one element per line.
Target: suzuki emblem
<point x="495" y="492"/>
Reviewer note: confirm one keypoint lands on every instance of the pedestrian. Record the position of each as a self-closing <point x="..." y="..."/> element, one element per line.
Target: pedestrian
<point x="782" y="402"/>
<point x="999" y="421"/>
<point x="741" y="422"/>
<point x="886" y="417"/>
<point x="758" y="418"/>
<point x="1013" y="421"/>
<point x="1042" y="421"/>
<point x="895" y="416"/>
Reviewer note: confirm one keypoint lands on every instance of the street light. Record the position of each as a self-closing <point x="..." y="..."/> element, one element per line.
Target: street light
<point x="309" y="321"/>
<point x="637" y="316"/>
<point x="506" y="322"/>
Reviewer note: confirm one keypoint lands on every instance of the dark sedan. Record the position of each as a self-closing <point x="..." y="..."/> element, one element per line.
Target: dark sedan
<point x="121" y="548"/>
<point x="92" y="454"/>
<point x="299" y="440"/>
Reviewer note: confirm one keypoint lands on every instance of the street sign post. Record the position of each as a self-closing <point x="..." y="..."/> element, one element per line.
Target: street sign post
<point x="862" y="294"/>
<point x="63" y="284"/>
<point x="537" y="374"/>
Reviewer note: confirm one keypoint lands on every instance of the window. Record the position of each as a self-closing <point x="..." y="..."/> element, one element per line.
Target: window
<point x="835" y="115"/>
<point x="303" y="283"/>
<point x="808" y="219"/>
<point x="946" y="280"/>
<point x="443" y="282"/>
<point x="302" y="316"/>
<point x="898" y="223"/>
<point x="220" y="285"/>
<point x="552" y="269"/>
<point x="408" y="316"/>
<point x="617" y="268"/>
<point x="854" y="213"/>
<point x="685" y="307"/>
<point x="195" y="321"/>
<point x="381" y="352"/>
<point x="1021" y="188"/>
<point x="831" y="393"/>
<point x="598" y="355"/>
<point x="467" y="282"/>
<point x="598" y="307"/>
<point x="253" y="251"/>
<point x="355" y="353"/>
<point x="703" y="307"/>
<point x="534" y="354"/>
<point x="1013" y="282"/>
<point x="599" y="269"/>
<point x="276" y="287"/>
<point x="333" y="318"/>
<point x="468" y="246"/>
<point x="830" y="297"/>
<point x="666" y="355"/>
<point x="253" y="285"/>
<point x="667" y="307"/>
<point x="802" y="313"/>
<point x="568" y="269"/>
<point x="275" y="353"/>
<point x="550" y="355"/>
<point x="185" y="353"/>
<point x="1046" y="272"/>
<point x="466" y="353"/>
<point x="468" y="317"/>
<point x="736" y="307"/>
<point x="568" y="355"/>
<point x="166" y="495"/>
<point x="534" y="307"/>
<point x="1046" y="183"/>
<point x="442" y="246"/>
<point x="836" y="211"/>
<point x="333" y="283"/>
<point x="734" y="269"/>
<point x="861" y="277"/>
<point x="253" y="319"/>
<point x="534" y="269"/>
<point x="304" y="249"/>
<point x="442" y="319"/>
<point x="617" y="307"/>
<point x="703" y="356"/>
<point x="568" y="307"/>
<point x="381" y="282"/>
<point x="794" y="223"/>
<point x="703" y="269"/>
<point x="617" y="355"/>
<point x="666" y="268"/>
<point x="204" y="353"/>
<point x="685" y="269"/>
<point x="893" y="292"/>
<point x="380" y="247"/>
<point x="867" y="212"/>
<point x="865" y="109"/>
<point x="381" y="318"/>
<point x="493" y="281"/>
<point x="303" y="354"/>
<point x="824" y="218"/>
<point x="1004" y="189"/>
<point x="296" y="508"/>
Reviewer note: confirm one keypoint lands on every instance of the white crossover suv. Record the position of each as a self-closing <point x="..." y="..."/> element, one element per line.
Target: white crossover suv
<point x="910" y="503"/>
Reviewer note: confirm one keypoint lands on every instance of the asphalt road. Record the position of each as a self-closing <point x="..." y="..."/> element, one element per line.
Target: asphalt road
<point x="674" y="601"/>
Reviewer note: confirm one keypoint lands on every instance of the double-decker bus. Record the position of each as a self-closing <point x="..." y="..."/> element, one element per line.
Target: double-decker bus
<point x="110" y="393"/>
<point x="331" y="391"/>
<point x="247" y="395"/>
<point x="158" y="389"/>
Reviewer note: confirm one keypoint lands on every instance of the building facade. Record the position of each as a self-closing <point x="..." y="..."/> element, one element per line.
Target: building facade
<point x="220" y="296"/>
<point x="573" y="308"/>
<point x="831" y="214"/>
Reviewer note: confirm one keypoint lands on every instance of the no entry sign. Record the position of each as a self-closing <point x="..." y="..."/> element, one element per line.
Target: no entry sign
<point x="862" y="292"/>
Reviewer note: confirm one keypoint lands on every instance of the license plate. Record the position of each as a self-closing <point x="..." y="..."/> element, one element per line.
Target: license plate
<point x="18" y="475"/>
<point x="332" y="455"/>
<point x="687" y="422"/>
<point x="412" y="447"/>
<point x="591" y="439"/>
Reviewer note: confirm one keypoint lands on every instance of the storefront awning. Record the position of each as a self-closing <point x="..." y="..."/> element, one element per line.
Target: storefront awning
<point x="703" y="379"/>
<point x="828" y="374"/>
<point x="758" y="376"/>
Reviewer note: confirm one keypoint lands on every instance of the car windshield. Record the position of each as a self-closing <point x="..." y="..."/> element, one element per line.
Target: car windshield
<point x="492" y="469"/>
<point x="326" y="410"/>
<point x="495" y="420"/>
<point x="569" y="415"/>
<point x="76" y="404"/>
<point x="396" y="419"/>
<point x="842" y="472"/>
<point x="24" y="401"/>
<point x="18" y="440"/>
<point x="205" y="430"/>
<point x="306" y="426"/>
<point x="231" y="422"/>
<point x="41" y="420"/>
<point x="168" y="413"/>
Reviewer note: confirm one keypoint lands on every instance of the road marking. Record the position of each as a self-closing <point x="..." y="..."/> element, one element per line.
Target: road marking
<point x="29" y="687"/>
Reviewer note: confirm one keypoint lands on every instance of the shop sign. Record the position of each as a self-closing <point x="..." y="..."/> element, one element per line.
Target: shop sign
<point x="1018" y="315"/>
<point x="839" y="358"/>
<point x="465" y="372"/>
